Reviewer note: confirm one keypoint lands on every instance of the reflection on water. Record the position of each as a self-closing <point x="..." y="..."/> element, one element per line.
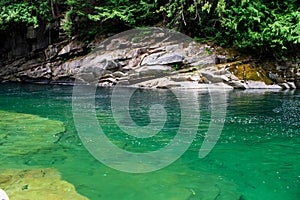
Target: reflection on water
<point x="256" y="156"/>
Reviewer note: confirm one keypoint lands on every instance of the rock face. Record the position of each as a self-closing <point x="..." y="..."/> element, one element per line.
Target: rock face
<point x="151" y="57"/>
<point x="37" y="184"/>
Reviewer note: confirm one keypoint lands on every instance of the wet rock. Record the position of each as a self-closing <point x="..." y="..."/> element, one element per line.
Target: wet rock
<point x="37" y="184"/>
<point x="21" y="133"/>
<point x="291" y="85"/>
<point x="261" y="85"/>
<point x="237" y="84"/>
<point x="284" y="85"/>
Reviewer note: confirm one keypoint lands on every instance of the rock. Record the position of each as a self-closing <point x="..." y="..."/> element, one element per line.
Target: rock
<point x="73" y="48"/>
<point x="180" y="78"/>
<point x="51" y="52"/>
<point x="132" y="64"/>
<point x="204" y="61"/>
<point x="284" y="85"/>
<point x="118" y="43"/>
<point x="198" y="55"/>
<point x="38" y="73"/>
<point x="232" y="77"/>
<point x="103" y="62"/>
<point x="123" y="81"/>
<point x="133" y="76"/>
<point x="31" y="32"/>
<point x="237" y="84"/>
<point x="154" y="70"/>
<point x="214" y="78"/>
<point x="108" y="80"/>
<point x="291" y="85"/>
<point x="203" y="80"/>
<point x="162" y="83"/>
<point x="222" y="71"/>
<point x="119" y="74"/>
<point x="21" y="133"/>
<point x="275" y="77"/>
<point x="67" y="69"/>
<point x="87" y="78"/>
<point x="261" y="85"/>
<point x="135" y="56"/>
<point x="162" y="59"/>
<point x="37" y="184"/>
<point x="220" y="59"/>
<point x="297" y="83"/>
<point x="106" y="84"/>
<point x="194" y="78"/>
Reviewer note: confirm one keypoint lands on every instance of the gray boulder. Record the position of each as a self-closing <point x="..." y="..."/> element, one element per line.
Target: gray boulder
<point x="154" y="70"/>
<point x="162" y="59"/>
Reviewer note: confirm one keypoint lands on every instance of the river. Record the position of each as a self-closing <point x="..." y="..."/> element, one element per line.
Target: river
<point x="255" y="155"/>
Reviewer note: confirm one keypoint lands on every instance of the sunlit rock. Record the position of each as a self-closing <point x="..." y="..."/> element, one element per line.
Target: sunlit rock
<point x="37" y="184"/>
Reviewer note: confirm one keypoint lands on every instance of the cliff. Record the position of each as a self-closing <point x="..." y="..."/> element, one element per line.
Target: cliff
<point x="150" y="57"/>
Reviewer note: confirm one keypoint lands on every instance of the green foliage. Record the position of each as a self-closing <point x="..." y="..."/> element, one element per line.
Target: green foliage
<point x="81" y="14"/>
<point x="132" y="13"/>
<point x="177" y="66"/>
<point x="267" y="25"/>
<point x="262" y="25"/>
<point x="27" y="12"/>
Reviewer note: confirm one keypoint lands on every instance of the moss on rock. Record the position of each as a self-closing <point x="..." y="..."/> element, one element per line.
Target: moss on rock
<point x="37" y="184"/>
<point x="249" y="72"/>
<point x="21" y="134"/>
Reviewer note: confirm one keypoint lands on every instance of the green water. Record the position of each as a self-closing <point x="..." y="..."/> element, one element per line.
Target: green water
<point x="256" y="156"/>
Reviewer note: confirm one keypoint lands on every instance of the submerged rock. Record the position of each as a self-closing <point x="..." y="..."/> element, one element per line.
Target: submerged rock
<point x="21" y="134"/>
<point x="37" y="184"/>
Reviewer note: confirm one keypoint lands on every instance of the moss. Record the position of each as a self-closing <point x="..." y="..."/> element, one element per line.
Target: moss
<point x="37" y="184"/>
<point x="249" y="72"/>
<point x="21" y="134"/>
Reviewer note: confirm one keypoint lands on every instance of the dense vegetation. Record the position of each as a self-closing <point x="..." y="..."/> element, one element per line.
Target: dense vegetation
<point x="262" y="25"/>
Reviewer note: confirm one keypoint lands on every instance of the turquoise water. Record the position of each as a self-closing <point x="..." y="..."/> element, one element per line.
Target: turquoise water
<point x="256" y="157"/>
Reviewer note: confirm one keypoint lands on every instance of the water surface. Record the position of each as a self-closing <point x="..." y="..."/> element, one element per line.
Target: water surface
<point x="256" y="156"/>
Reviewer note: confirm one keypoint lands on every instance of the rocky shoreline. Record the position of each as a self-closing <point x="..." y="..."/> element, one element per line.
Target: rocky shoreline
<point x="150" y="58"/>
